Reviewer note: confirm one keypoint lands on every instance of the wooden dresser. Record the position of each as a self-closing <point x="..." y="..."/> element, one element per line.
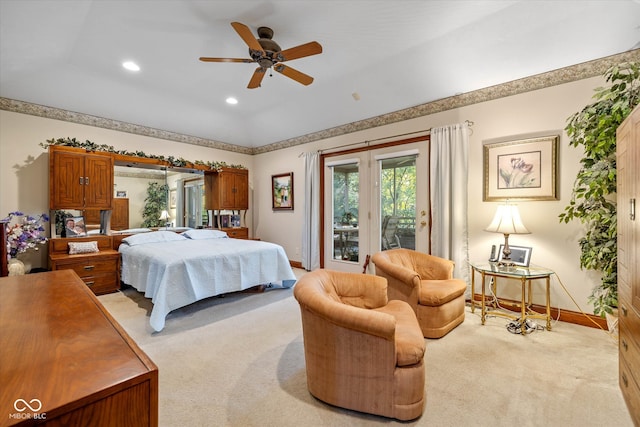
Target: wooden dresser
<point x="628" y="193"/>
<point x="65" y="361"/>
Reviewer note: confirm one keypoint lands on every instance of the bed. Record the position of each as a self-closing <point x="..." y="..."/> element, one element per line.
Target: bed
<point x="175" y="270"/>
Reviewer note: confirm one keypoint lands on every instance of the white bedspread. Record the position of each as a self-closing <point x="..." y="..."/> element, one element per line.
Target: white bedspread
<point x="175" y="274"/>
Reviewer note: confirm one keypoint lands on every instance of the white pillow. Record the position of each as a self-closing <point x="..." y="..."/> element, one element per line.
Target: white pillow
<point x="83" y="247"/>
<point x="133" y="231"/>
<point x="153" y="237"/>
<point x="205" y="234"/>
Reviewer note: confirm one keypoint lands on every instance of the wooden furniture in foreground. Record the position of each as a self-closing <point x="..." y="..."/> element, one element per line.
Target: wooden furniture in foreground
<point x="628" y="193"/>
<point x="4" y="267"/>
<point x="100" y="271"/>
<point x="66" y="361"/>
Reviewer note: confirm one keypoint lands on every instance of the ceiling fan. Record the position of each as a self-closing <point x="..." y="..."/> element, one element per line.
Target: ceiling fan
<point x="267" y="54"/>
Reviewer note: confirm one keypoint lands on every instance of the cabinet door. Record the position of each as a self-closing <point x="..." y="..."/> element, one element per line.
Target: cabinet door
<point x="227" y="190"/>
<point x="66" y="181"/>
<point x="98" y="189"/>
<point x="242" y="190"/>
<point x="120" y="214"/>
<point x="80" y="181"/>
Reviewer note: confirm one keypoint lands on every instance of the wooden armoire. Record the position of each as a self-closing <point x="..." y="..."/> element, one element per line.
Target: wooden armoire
<point x="628" y="193"/>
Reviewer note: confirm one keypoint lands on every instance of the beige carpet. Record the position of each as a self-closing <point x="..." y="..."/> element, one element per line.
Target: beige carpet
<point x="238" y="361"/>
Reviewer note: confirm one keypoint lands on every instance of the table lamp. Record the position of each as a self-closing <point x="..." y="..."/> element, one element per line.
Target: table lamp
<point x="507" y="221"/>
<point x="164" y="215"/>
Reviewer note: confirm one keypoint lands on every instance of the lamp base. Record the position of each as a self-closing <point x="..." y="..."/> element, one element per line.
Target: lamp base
<point x="506" y="263"/>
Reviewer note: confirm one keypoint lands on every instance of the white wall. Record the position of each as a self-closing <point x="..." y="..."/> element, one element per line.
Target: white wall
<point x="24" y="164"/>
<point x="539" y="112"/>
<point x="24" y="175"/>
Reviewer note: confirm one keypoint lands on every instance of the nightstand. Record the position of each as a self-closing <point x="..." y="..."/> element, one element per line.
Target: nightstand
<point x="98" y="270"/>
<point x="525" y="275"/>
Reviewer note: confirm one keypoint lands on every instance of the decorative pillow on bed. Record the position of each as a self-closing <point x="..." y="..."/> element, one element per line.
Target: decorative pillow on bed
<point x="153" y="237"/>
<point x="83" y="247"/>
<point x="205" y="234"/>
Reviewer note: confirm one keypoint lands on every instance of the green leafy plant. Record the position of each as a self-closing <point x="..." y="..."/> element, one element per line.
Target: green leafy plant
<point x="593" y="199"/>
<point x="155" y="203"/>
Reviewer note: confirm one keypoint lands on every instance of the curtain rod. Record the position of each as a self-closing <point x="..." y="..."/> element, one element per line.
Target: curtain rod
<point x="367" y="142"/>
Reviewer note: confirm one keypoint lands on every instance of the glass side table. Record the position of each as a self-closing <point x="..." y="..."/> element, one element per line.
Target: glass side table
<point x="525" y="275"/>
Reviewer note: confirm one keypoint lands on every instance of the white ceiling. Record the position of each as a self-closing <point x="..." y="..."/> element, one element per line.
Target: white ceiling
<point x="393" y="54"/>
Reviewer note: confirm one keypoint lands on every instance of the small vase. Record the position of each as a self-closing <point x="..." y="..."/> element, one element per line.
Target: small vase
<point x="16" y="267"/>
<point x="27" y="260"/>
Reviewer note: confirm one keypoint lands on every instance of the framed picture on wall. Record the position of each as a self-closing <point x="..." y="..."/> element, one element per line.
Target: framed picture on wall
<point x="523" y="169"/>
<point x="121" y="194"/>
<point x="173" y="194"/>
<point x="282" y="191"/>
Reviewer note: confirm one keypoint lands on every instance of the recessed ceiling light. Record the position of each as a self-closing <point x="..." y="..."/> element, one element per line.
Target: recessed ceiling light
<point x="131" y="66"/>
<point x="231" y="100"/>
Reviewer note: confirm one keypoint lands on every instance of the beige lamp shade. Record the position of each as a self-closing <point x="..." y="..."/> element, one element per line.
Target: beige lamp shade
<point x="507" y="221"/>
<point x="164" y="215"/>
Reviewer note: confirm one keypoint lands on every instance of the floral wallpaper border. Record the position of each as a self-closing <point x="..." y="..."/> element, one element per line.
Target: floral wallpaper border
<point x="540" y="81"/>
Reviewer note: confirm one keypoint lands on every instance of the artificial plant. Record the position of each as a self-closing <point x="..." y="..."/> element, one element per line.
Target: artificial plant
<point x="593" y="200"/>
<point x="155" y="203"/>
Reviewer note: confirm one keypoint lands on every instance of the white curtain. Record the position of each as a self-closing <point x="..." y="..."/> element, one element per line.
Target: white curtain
<point x="311" y="223"/>
<point x="448" y="181"/>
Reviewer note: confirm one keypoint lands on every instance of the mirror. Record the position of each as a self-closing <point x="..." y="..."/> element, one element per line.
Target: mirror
<point x="131" y="183"/>
<point x="185" y="200"/>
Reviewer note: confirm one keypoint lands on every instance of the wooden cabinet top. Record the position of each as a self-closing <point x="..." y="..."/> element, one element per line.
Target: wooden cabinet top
<point x="61" y="347"/>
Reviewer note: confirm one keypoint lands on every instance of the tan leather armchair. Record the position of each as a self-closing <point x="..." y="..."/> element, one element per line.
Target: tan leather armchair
<point x="362" y="352"/>
<point x="425" y="282"/>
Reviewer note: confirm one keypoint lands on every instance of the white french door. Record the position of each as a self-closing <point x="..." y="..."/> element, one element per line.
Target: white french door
<point x="374" y="200"/>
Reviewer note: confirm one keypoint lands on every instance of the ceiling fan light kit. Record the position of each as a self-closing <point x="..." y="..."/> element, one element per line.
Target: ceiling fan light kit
<point x="268" y="54"/>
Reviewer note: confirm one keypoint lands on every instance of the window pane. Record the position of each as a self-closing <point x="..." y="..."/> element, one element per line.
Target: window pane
<point x="398" y="203"/>
<point x="346" y="187"/>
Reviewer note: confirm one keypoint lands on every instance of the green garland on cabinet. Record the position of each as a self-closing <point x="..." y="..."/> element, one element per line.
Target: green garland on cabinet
<point x="174" y="161"/>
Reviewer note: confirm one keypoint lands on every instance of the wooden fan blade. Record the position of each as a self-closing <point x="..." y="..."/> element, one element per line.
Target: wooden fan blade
<point x="256" y="79"/>
<point x="244" y="60"/>
<point x="307" y="49"/>
<point x="294" y="74"/>
<point x="245" y="33"/>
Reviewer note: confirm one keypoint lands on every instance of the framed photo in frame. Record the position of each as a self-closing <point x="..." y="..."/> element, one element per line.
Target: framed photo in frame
<point x="523" y="169"/>
<point x="282" y="191"/>
<point x="520" y="255"/>
<point x="75" y="226"/>
<point x="121" y="194"/>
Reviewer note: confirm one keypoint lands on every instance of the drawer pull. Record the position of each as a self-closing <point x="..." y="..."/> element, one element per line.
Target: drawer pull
<point x="624" y="310"/>
<point x="90" y="284"/>
<point x="624" y="345"/>
<point x="624" y="380"/>
<point x="89" y="267"/>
